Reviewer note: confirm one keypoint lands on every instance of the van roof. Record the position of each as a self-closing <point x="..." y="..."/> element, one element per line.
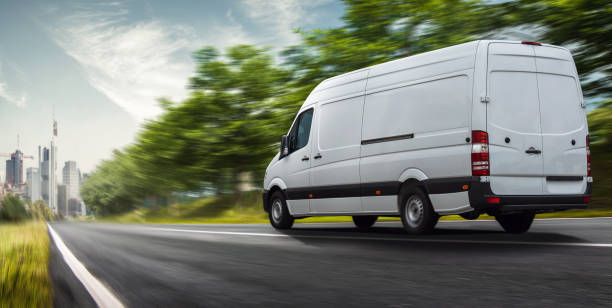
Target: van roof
<point x="438" y="55"/>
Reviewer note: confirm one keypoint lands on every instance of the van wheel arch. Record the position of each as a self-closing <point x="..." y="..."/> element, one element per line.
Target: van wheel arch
<point x="412" y="182"/>
<point x="272" y="190"/>
<point x="415" y="208"/>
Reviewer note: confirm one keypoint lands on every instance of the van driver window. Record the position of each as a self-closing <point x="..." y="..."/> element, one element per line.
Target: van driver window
<point x="299" y="137"/>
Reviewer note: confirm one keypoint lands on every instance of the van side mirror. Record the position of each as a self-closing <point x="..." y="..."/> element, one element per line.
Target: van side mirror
<point x="284" y="147"/>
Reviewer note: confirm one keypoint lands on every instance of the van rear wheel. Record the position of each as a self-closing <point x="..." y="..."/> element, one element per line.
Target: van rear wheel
<point x="364" y="222"/>
<point x="279" y="213"/>
<point x="418" y="216"/>
<point x="515" y="223"/>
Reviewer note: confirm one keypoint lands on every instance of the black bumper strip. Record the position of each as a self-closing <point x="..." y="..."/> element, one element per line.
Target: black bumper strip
<point x="344" y="191"/>
<point x="265" y="196"/>
<point x="447" y="185"/>
<point x="479" y="191"/>
<point x="433" y="186"/>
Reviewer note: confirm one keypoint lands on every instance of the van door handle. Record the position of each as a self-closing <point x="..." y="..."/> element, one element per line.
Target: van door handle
<point x="532" y="150"/>
<point x="305" y="158"/>
<point x="318" y="156"/>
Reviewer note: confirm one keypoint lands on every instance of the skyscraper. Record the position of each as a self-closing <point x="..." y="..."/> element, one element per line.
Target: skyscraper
<point x="70" y="176"/>
<point x="14" y="170"/>
<point x="33" y="187"/>
<point x="62" y="199"/>
<point x="48" y="167"/>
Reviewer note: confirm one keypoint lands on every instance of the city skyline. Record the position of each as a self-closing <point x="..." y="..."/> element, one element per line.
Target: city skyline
<point x="98" y="69"/>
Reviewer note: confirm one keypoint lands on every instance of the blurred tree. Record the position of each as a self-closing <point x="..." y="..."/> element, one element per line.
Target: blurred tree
<point x="238" y="128"/>
<point x="600" y="124"/>
<point x="13" y="209"/>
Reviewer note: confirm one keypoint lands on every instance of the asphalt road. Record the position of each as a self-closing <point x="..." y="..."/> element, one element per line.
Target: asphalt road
<point x="559" y="263"/>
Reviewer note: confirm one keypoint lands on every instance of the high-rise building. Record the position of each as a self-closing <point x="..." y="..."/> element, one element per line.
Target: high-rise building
<point x="33" y="184"/>
<point x="70" y="176"/>
<point x="48" y="166"/>
<point x="14" y="170"/>
<point x="62" y="199"/>
<point x="74" y="207"/>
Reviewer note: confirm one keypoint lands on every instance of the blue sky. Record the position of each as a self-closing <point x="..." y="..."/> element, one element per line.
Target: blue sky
<point x="102" y="65"/>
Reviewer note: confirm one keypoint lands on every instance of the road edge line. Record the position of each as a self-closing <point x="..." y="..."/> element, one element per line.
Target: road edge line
<point x="100" y="293"/>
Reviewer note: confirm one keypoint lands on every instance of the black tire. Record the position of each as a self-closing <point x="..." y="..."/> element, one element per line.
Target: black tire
<point x="416" y="211"/>
<point x="516" y="223"/>
<point x="364" y="222"/>
<point x="279" y="213"/>
<point x="470" y="215"/>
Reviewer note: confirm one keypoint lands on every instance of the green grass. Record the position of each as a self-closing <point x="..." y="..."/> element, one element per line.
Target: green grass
<point x="24" y="260"/>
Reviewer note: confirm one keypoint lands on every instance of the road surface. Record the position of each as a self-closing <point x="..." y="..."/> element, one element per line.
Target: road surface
<point x="559" y="263"/>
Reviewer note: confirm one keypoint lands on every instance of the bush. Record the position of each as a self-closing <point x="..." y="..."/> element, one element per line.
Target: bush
<point x="13" y="209"/>
<point x="39" y="210"/>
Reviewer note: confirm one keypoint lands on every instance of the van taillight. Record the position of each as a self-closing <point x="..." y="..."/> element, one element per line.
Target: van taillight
<point x="588" y="150"/>
<point x="480" y="153"/>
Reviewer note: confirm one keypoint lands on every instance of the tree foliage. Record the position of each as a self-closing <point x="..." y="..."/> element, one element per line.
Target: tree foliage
<point x="241" y="101"/>
<point x="13" y="209"/>
<point x="600" y="124"/>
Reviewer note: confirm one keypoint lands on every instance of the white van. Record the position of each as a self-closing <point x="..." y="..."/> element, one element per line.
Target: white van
<point x="496" y="127"/>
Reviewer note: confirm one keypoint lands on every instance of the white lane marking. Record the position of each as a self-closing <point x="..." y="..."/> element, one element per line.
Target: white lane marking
<point x="101" y="295"/>
<point x="392" y="239"/>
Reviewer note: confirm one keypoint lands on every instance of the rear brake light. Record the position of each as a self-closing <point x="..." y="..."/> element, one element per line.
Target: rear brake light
<point x="587" y="199"/>
<point x="480" y="153"/>
<point x="531" y="43"/>
<point x="588" y="151"/>
<point x="493" y="200"/>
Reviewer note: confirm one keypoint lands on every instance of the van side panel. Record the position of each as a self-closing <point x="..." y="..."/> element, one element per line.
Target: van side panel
<point x="337" y="145"/>
<point x="432" y="115"/>
<point x="334" y="173"/>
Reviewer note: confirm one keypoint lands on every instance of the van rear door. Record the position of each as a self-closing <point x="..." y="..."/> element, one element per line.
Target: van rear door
<point x="513" y="120"/>
<point x="563" y="122"/>
<point x="535" y="120"/>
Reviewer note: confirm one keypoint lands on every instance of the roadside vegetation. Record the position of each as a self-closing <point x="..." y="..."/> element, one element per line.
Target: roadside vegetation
<point x="24" y="254"/>
<point x="242" y="99"/>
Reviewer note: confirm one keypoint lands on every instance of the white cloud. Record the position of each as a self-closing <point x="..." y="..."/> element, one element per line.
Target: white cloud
<point x="18" y="100"/>
<point x="132" y="63"/>
<point x="280" y="18"/>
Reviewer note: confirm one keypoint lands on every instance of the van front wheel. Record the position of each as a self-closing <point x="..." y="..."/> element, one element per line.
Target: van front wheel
<point x="279" y="213"/>
<point x="416" y="211"/>
<point x="515" y="223"/>
<point x="364" y="222"/>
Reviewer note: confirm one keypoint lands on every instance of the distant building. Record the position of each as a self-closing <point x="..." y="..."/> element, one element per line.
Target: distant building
<point x="48" y="166"/>
<point x="14" y="170"/>
<point x="70" y="176"/>
<point x="62" y="199"/>
<point x="74" y="207"/>
<point x="33" y="184"/>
